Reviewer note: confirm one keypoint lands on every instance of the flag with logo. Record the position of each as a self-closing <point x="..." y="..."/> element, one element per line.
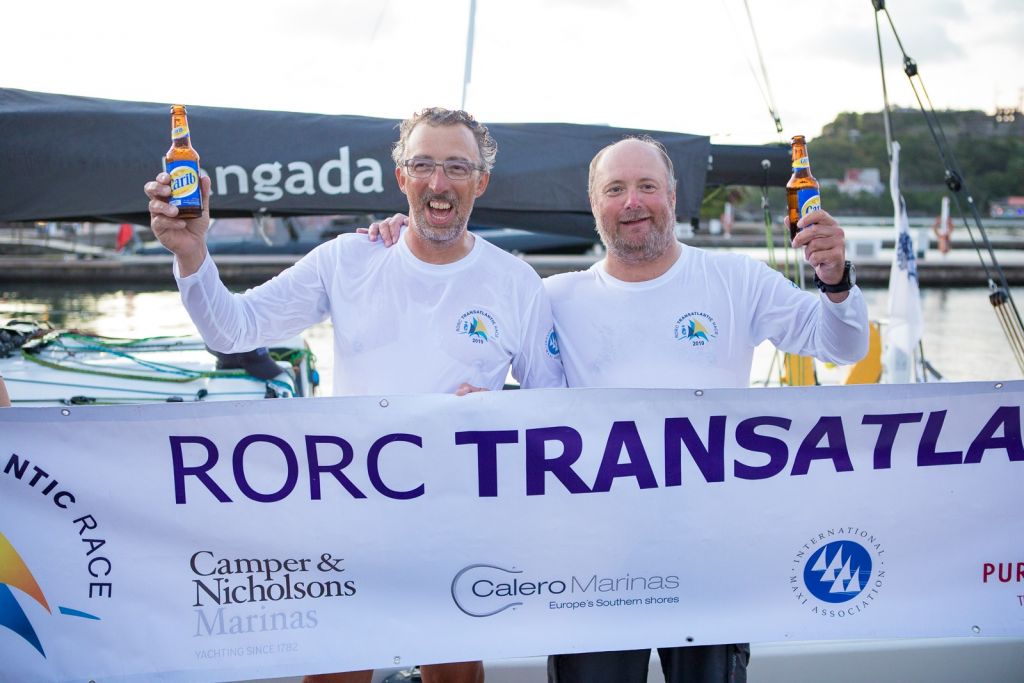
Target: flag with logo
<point x="905" y="325"/>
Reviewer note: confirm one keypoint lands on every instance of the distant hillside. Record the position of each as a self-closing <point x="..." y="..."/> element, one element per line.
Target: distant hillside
<point x="990" y="155"/>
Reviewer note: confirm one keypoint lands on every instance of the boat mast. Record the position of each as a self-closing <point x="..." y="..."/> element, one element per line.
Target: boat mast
<point x="468" y="75"/>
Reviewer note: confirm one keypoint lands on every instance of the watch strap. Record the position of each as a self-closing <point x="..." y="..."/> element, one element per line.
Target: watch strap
<point x="843" y="285"/>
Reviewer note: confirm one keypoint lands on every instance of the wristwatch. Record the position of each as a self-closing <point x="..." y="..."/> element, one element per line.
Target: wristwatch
<point x="844" y="285"/>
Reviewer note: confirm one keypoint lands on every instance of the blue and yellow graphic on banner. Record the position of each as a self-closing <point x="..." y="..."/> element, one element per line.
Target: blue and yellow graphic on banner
<point x="14" y="573"/>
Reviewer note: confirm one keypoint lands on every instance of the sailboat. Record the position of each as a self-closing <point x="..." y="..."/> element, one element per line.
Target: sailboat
<point x="798" y="658"/>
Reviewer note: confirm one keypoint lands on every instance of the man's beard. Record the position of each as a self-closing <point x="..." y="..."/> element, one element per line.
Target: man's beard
<point x="654" y="243"/>
<point x="421" y="223"/>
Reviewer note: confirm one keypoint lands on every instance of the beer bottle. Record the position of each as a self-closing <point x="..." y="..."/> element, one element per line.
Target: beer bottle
<point x="182" y="163"/>
<point x="802" y="194"/>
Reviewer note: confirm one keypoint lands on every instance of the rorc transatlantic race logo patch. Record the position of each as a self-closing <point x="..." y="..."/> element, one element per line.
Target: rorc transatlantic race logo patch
<point x="14" y="573"/>
<point x="478" y="325"/>
<point x="839" y="572"/>
<point x="696" y="329"/>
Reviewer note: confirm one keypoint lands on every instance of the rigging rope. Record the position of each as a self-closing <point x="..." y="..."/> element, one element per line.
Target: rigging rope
<point x="91" y="354"/>
<point x="792" y="368"/>
<point x="885" y="90"/>
<point x="761" y="81"/>
<point x="72" y="362"/>
<point x="772" y="109"/>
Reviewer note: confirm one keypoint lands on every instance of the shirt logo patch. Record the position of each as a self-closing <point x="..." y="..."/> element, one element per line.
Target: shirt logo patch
<point x="552" y="344"/>
<point x="696" y="329"/>
<point x="479" y="325"/>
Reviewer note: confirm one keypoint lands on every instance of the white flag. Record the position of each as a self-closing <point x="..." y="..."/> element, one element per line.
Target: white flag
<point x="905" y="326"/>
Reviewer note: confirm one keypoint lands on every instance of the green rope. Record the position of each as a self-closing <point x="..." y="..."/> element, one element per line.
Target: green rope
<point x="188" y="375"/>
<point x="113" y="341"/>
<point x="790" y="258"/>
<point x="294" y="358"/>
<point x="114" y="351"/>
<point x="115" y="346"/>
<point x="768" y="227"/>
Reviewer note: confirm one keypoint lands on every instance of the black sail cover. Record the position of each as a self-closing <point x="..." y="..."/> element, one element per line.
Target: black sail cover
<point x="80" y="158"/>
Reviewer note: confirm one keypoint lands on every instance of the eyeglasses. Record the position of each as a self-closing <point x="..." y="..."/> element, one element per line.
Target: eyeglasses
<point x="455" y="169"/>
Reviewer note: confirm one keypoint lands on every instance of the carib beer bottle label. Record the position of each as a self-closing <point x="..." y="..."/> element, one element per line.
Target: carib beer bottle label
<point x="184" y="183"/>
<point x="808" y="200"/>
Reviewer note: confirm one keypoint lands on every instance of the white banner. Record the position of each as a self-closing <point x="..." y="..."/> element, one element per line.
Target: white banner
<point x="271" y="538"/>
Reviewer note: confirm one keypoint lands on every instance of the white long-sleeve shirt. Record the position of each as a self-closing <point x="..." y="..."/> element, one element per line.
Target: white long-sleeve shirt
<point x="695" y="326"/>
<point x="400" y="325"/>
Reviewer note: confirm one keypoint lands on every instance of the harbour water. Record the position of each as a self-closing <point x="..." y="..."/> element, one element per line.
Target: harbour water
<point x="962" y="338"/>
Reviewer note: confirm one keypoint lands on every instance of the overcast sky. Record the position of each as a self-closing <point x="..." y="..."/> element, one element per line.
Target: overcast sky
<point x="677" y="65"/>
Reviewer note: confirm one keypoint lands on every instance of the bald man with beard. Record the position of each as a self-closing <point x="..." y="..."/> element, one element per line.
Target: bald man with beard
<point x="656" y="313"/>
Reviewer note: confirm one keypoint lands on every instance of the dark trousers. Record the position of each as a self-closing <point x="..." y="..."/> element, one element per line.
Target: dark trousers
<point x="698" y="664"/>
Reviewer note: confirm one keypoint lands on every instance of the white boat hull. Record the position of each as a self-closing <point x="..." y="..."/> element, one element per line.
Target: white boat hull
<point x="71" y="368"/>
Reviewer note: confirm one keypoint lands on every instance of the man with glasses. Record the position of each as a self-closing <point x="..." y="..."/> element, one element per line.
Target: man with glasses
<point x="444" y="311"/>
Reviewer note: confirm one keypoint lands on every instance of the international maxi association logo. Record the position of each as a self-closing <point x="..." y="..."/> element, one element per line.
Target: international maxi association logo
<point x="838" y="572"/>
<point x="15" y="573"/>
<point x="479" y="325"/>
<point x="696" y="329"/>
